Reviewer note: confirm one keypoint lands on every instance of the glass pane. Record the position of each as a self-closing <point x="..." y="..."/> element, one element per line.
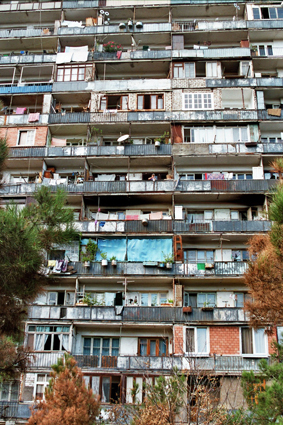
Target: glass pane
<point x="67" y="75"/>
<point x="210" y="299"/>
<point x="259" y="341"/>
<point x="201" y="340"/>
<point x="81" y="74"/>
<point x="153" y="300"/>
<point x="190" y="70"/>
<point x="209" y="256"/>
<point x="201" y="300"/>
<point x="144" y="299"/>
<point x="86" y="349"/>
<point x="153" y="99"/>
<point x="269" y="50"/>
<point x="5" y="391"/>
<point x="280" y="12"/>
<point x="143" y="347"/>
<point x="163" y="298"/>
<point x="74" y="74"/>
<point x="162" y="347"/>
<point x="103" y="104"/>
<point x="160" y="103"/>
<point x="152" y="348"/>
<point x="261" y="50"/>
<point x="39" y="391"/>
<point x="14" y="391"/>
<point x="190" y="340"/>
<point x="236" y="134"/>
<point x="239" y="300"/>
<point x="105" y="346"/>
<point x="105" y="390"/>
<point x="140" y="102"/>
<point x="200" y="256"/>
<point x="247" y="341"/>
<point x="256" y="13"/>
<point x="115" y="347"/>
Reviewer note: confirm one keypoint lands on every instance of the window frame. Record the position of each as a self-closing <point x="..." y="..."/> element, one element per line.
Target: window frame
<point x="197" y="101"/>
<point x="254" y="354"/>
<point x="197" y="353"/>
<point x="121" y="99"/>
<point x="72" y="68"/>
<point x="44" y="383"/>
<point x="157" y="349"/>
<point x="31" y="341"/>
<point x="159" y="96"/>
<point x="10" y="390"/>
<point x="101" y="346"/>
<point x="31" y="132"/>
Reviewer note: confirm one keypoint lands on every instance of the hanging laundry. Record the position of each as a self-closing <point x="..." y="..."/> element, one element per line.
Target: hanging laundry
<point x="20" y="111"/>
<point x="34" y="117"/>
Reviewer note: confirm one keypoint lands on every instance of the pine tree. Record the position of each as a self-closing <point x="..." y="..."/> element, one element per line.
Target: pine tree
<point x="67" y="400"/>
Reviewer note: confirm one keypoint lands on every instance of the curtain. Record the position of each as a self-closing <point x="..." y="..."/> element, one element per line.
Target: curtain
<point x="64" y="339"/>
<point x="247" y="341"/>
<point x="39" y="341"/>
<point x="95" y="384"/>
<point x="105" y="390"/>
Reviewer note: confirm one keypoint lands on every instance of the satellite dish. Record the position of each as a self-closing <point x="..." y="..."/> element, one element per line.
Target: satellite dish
<point x="106" y="13"/>
<point x="122" y="138"/>
<point x="101" y="12"/>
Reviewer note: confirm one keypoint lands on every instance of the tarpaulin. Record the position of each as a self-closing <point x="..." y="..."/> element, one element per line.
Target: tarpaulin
<point x="148" y="249"/>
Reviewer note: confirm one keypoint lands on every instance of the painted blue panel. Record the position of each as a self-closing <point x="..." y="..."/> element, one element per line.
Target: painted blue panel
<point x="148" y="249"/>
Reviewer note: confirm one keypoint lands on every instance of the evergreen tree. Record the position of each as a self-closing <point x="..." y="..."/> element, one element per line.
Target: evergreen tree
<point x="67" y="400"/>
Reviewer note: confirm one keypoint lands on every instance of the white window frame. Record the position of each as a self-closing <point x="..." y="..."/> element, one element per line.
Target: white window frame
<point x="159" y="298"/>
<point x="10" y="390"/>
<point x="207" y="295"/>
<point x="37" y="382"/>
<point x="196" y="352"/>
<point x="52" y="333"/>
<point x="197" y="101"/>
<point x="265" y="354"/>
<point x="30" y="136"/>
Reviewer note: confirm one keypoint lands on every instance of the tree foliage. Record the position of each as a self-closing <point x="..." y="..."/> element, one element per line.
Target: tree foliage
<point x="67" y="400"/>
<point x="264" y="276"/>
<point x="4" y="151"/>
<point x="25" y="237"/>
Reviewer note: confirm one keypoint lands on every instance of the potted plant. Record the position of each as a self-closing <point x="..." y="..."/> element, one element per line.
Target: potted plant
<point x="170" y="301"/>
<point x="113" y="260"/>
<point x="122" y="26"/>
<point x="162" y="139"/>
<point x="188" y="309"/>
<point x="169" y="260"/>
<point x="89" y="253"/>
<point x="207" y="306"/>
<point x="111" y="47"/>
<point x="88" y="300"/>
<point x="94" y="136"/>
<point x="104" y="261"/>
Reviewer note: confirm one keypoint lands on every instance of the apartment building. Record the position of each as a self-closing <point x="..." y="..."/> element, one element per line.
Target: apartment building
<point x="160" y="120"/>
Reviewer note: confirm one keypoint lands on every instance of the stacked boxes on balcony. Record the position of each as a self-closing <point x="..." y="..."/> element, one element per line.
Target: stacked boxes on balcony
<point x="163" y="145"/>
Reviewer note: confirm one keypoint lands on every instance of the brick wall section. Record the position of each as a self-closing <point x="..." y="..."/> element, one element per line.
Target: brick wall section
<point x="12" y="135"/>
<point x="271" y="338"/>
<point x="178" y="340"/>
<point x="224" y="340"/>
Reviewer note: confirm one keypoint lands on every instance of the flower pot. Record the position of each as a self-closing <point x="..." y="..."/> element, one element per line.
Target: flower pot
<point x="130" y="23"/>
<point x="169" y="265"/>
<point x="113" y="262"/>
<point x="122" y="26"/>
<point x="104" y="263"/>
<point x="86" y="263"/>
<point x="139" y="25"/>
<point x="145" y="222"/>
<point x="187" y="309"/>
<point x="157" y="144"/>
<point x="207" y="308"/>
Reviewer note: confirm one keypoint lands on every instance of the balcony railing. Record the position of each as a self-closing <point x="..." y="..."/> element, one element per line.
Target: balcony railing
<point x="20" y="6"/>
<point x="158" y="314"/>
<point x="27" y="88"/>
<point x="35" y="58"/>
<point x="242" y="226"/>
<point x="263" y="114"/>
<point x="72" y="151"/>
<point x="14" y="410"/>
<point x="136" y="363"/>
<point x="24" y="33"/>
<point x="226" y="185"/>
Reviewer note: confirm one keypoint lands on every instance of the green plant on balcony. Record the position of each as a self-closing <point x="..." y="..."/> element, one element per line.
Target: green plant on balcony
<point x="90" y="252"/>
<point x="164" y="139"/>
<point x="111" y="47"/>
<point x="170" y="301"/>
<point x="94" y="136"/>
<point x="113" y="260"/>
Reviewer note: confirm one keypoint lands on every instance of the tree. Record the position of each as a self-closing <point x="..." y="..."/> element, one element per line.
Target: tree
<point x="67" y="400"/>
<point x="264" y="276"/>
<point x="25" y="238"/>
<point x="4" y="151"/>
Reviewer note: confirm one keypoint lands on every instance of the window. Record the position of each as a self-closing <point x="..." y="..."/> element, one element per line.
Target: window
<point x="199" y="256"/>
<point x="253" y="341"/>
<point x="48" y="338"/>
<point x="197" y="340"/>
<point x="101" y="346"/>
<point x="184" y="70"/>
<point x="240" y="255"/>
<point x="212" y="69"/>
<point x="41" y="382"/>
<point x="265" y="50"/>
<point x="267" y="13"/>
<point x="241" y="298"/>
<point x="61" y="298"/>
<point x="206" y="300"/>
<point x="150" y="101"/>
<point x="110" y="389"/>
<point x="153" y="346"/>
<point x="114" y="103"/>
<point x="26" y="137"/>
<point x="74" y="73"/>
<point x="197" y="101"/>
<point x="9" y="391"/>
<point x="146" y="299"/>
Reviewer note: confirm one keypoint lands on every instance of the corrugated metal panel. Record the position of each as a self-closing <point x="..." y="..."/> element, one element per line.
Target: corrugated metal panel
<point x="241" y="226"/>
<point x="230" y="268"/>
<point x="76" y="4"/>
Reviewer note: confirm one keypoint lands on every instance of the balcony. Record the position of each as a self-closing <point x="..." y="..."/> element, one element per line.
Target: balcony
<point x="160" y="186"/>
<point x="114" y="29"/>
<point x="219" y="268"/>
<point x="77" y="4"/>
<point x="73" y="151"/>
<point x="249" y="226"/>
<point x="16" y="59"/>
<point x="263" y="115"/>
<point x="27" y="88"/>
<point x="244" y="186"/>
<point x="138" y="116"/>
<point x="22" y="120"/>
<point x="26" y="33"/>
<point x="220" y="364"/>
<point x="17" y="6"/>
<point x="13" y="410"/>
<point x="137" y="314"/>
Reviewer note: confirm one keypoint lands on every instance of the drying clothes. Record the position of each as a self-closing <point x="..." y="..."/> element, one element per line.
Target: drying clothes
<point x="34" y="117"/>
<point x="20" y="111"/>
<point x="119" y="54"/>
<point x="214" y="176"/>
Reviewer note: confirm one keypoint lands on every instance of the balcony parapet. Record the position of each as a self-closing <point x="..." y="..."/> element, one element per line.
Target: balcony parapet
<point x="20" y="6"/>
<point x="244" y="186"/>
<point x="130" y="314"/>
<point x="22" y="120"/>
<point x="235" y="364"/>
<point x="14" y="410"/>
<point x="141" y="116"/>
<point x="27" y="88"/>
<point x="114" y="29"/>
<point x="36" y="58"/>
<point x="265" y="116"/>
<point x="27" y="33"/>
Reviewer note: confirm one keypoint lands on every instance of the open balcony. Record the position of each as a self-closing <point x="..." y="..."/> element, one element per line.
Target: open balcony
<point x="218" y="364"/>
<point x="244" y="186"/>
<point x="27" y="59"/>
<point x="138" y="314"/>
<point x="26" y="88"/>
<point x="13" y="410"/>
